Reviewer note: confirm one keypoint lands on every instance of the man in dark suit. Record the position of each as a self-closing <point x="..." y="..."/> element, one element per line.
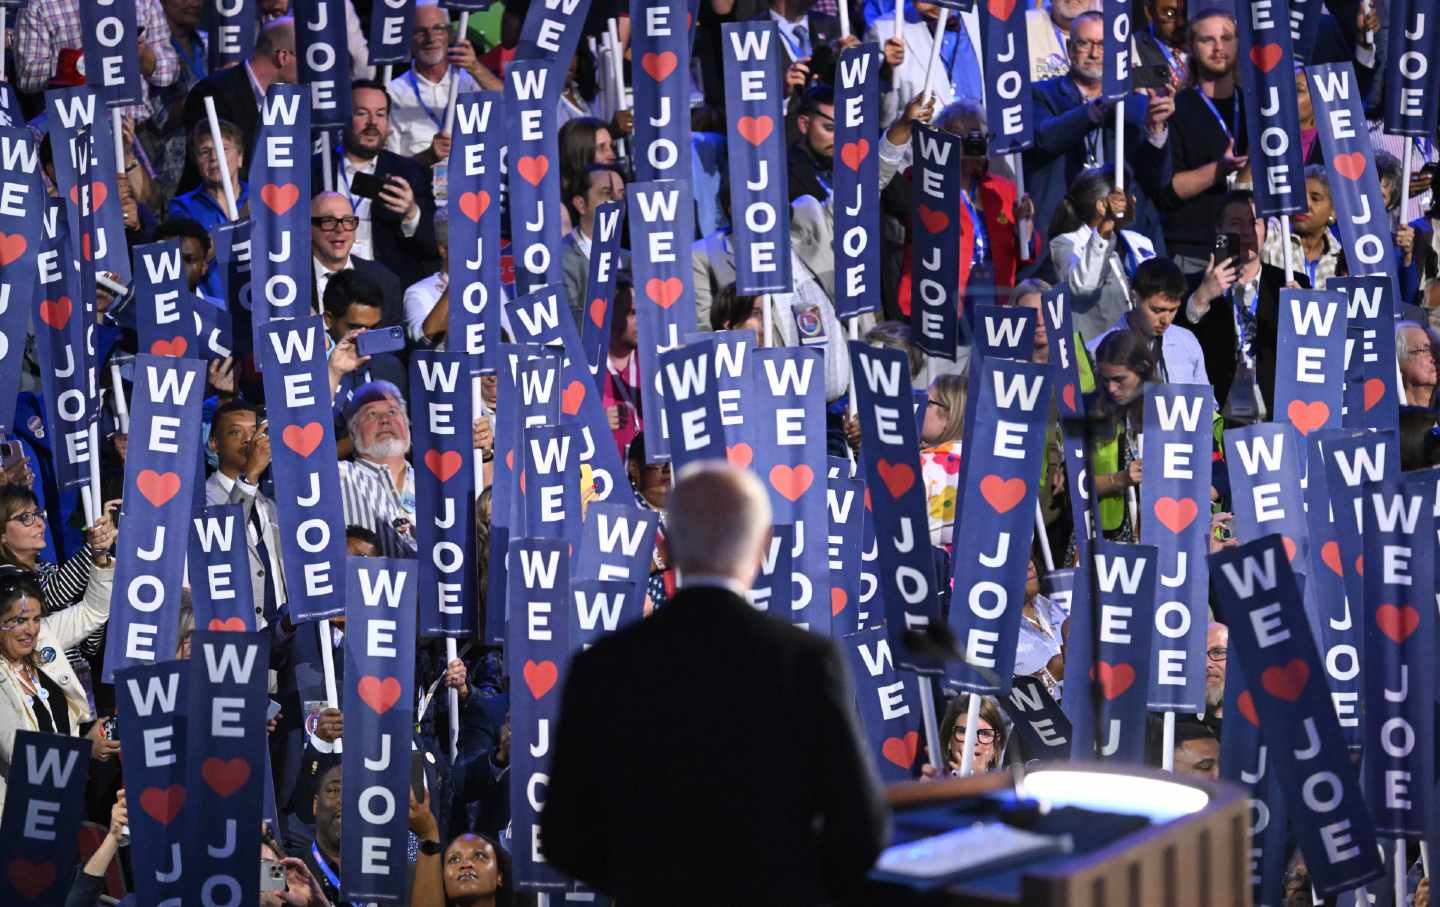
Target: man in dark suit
<point x="332" y="238"/>
<point x="237" y="90"/>
<point x="710" y="753"/>
<point x="801" y="31"/>
<point x="397" y="225"/>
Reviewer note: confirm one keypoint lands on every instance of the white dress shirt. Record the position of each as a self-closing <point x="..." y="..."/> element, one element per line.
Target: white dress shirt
<point x="416" y="103"/>
<point x="365" y="232"/>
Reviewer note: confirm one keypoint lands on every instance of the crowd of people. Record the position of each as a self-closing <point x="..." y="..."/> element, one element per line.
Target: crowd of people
<point x="1156" y="273"/>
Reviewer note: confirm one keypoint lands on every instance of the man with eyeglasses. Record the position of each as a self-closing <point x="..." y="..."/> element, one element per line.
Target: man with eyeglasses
<point x="1047" y="30"/>
<point x="1217" y="643"/>
<point x="1415" y="354"/>
<point x="1163" y="41"/>
<point x="377" y="487"/>
<point x="332" y="240"/>
<point x="420" y="97"/>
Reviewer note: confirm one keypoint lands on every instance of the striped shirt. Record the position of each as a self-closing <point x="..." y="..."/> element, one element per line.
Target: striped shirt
<point x="370" y="499"/>
<point x="1425" y="153"/>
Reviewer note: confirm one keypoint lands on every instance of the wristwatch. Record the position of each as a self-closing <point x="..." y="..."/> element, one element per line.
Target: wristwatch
<point x="431" y="848"/>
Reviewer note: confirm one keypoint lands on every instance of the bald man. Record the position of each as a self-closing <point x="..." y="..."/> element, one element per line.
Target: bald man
<point x="332" y="241"/>
<point x="709" y="754"/>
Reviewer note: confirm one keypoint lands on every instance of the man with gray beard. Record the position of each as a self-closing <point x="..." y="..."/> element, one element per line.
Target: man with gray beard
<point x="377" y="488"/>
<point x="1217" y="642"/>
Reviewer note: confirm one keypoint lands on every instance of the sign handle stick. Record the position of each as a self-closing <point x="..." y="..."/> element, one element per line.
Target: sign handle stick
<point x="1120" y="144"/>
<point x="1167" y="746"/>
<point x="854" y="326"/>
<point x="455" y="82"/>
<point x="327" y="163"/>
<point x="932" y="724"/>
<point x="386" y="73"/>
<point x="1285" y="243"/>
<point x="327" y="663"/>
<point x="1044" y="538"/>
<point x="1399" y="870"/>
<point x="452" y="652"/>
<point x="932" y="66"/>
<point x="972" y="725"/>
<point x="122" y="406"/>
<point x="767" y="321"/>
<point x="95" y="503"/>
<point x="900" y="21"/>
<point x="1425" y="858"/>
<point x="1134" y="510"/>
<point x="117" y="134"/>
<point x="3" y="35"/>
<point x="844" y="10"/>
<point x="1407" y="162"/>
<point x="1026" y="225"/>
<point x="225" y="177"/>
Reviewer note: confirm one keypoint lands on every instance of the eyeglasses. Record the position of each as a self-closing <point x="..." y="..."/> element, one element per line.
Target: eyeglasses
<point x="1084" y="46"/>
<point x="27" y="517"/>
<point x="330" y="224"/>
<point x="983" y="735"/>
<point x="1216" y="654"/>
<point x="1169" y="15"/>
<point x="207" y="152"/>
<point x="1422" y="351"/>
<point x="439" y="31"/>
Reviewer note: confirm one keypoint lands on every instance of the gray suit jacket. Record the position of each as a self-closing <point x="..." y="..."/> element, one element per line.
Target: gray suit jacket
<point x="260" y="570"/>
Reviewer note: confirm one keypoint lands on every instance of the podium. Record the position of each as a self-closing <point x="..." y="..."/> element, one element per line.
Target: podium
<point x="1140" y="837"/>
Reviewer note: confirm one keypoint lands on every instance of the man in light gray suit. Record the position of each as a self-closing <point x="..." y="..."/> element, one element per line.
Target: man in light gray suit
<point x="243" y="446"/>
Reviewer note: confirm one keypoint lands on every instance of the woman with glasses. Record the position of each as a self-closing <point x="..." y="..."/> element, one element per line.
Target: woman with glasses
<point x="989" y="736"/>
<point x="1415" y="356"/>
<point x="22" y="539"/>
<point x="940" y="437"/>
<point x="39" y="690"/>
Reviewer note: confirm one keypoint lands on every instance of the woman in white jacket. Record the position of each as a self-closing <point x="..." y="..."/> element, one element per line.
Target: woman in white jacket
<point x="1095" y="257"/>
<point x="39" y="690"/>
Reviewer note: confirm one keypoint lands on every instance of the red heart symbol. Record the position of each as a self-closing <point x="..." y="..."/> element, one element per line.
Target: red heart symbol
<point x="1176" y="515"/>
<point x="1266" y="56"/>
<point x="225" y="776"/>
<point x="474" y="204"/>
<point x="867" y="501"/>
<point x="1002" y="494"/>
<point x="1286" y="682"/>
<point x="1397" y="623"/>
<point x="755" y="129"/>
<point x="934" y="221"/>
<point x="510" y="459"/>
<point x="279" y="198"/>
<point x="1246" y="704"/>
<point x="1330" y="554"/>
<point x="901" y="750"/>
<point x="739" y="455"/>
<point x="838" y="600"/>
<point x="163" y="804"/>
<point x="898" y="477"/>
<point x="522" y="481"/>
<point x="532" y="168"/>
<point x="12" y="246"/>
<point x="176" y="346"/>
<point x="1115" y="679"/>
<point x="1289" y="544"/>
<point x="1351" y="166"/>
<point x="1001" y="9"/>
<point x="98" y="193"/>
<point x="303" y="439"/>
<point x="85" y="250"/>
<point x="791" y="483"/>
<point x="379" y="694"/>
<point x="1374" y="393"/>
<point x="572" y="397"/>
<point x="1067" y="393"/>
<point x="664" y="292"/>
<point x="853" y="154"/>
<point x="597" y="312"/>
<point x="229" y="625"/>
<point x="444" y="464"/>
<point x="659" y="66"/>
<point x="540" y="677"/>
<point x="55" y="312"/>
<point x="31" y="879"/>
<point x="1307" y="416"/>
<point x="158" y="487"/>
<point x="1360" y="565"/>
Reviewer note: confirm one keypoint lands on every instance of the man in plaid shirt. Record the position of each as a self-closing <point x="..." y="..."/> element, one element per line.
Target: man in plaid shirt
<point x="45" y="28"/>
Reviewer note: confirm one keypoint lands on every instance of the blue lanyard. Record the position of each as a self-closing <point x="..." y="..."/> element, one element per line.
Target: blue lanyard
<point x="325" y="868"/>
<point x="1311" y="267"/>
<point x="982" y="238"/>
<point x="435" y="118"/>
<point x="340" y="173"/>
<point x="1215" y="112"/>
<point x="1169" y="57"/>
<point x="194" y="62"/>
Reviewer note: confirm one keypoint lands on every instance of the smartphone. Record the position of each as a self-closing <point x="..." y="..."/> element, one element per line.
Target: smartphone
<point x="417" y="775"/>
<point x="272" y="876"/>
<point x="1227" y="245"/>
<point x="1151" y="75"/>
<point x="380" y="340"/>
<point x="366" y="185"/>
<point x="272" y="710"/>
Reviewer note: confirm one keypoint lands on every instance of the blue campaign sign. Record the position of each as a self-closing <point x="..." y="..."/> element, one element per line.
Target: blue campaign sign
<point x="789" y="457"/>
<point x="1305" y="16"/>
<point x="1115" y="84"/>
<point x="160" y="481"/>
<point x="600" y="278"/>
<point x="1038" y="720"/>
<point x="888" y="702"/>
<point x="1244" y="759"/>
<point x="280" y="181"/>
<point x="440" y="409"/>
<point x="1004" y="331"/>
<point x="392" y="26"/>
<point x="774" y="587"/>
<point x="662" y="226"/>
<point x="59" y="320"/>
<point x="660" y="45"/>
<point x="550" y="484"/>
<point x="935" y="232"/>
<point x="44" y="806"/>
<point x="1372" y="400"/>
<point x="551" y="32"/>
<point x="1399" y="737"/>
<point x="164" y="318"/>
<point x="22" y="214"/>
<point x="890" y="449"/>
<point x="1125" y="577"/>
<point x="307" y="482"/>
<point x="1410" y="72"/>
<point x="759" y="184"/>
<point x="1174" y="501"/>
<point x="1310" y="359"/>
<point x="230" y="26"/>
<point x="379" y="706"/>
<point x="601" y="607"/>
<point x="473" y="208"/>
<point x="538" y="381"/>
<point x="1007" y="77"/>
<point x="997" y="504"/>
<point x="225" y="724"/>
<point x="69" y="112"/>
<point x="692" y="404"/>
<point x="857" y="180"/>
<point x="324" y="60"/>
<point x="734" y="388"/>
<point x="533" y="167"/>
<point x="845" y="504"/>
<point x="219" y="569"/>
<point x="1060" y="335"/>
<point x="109" y="36"/>
<point x="617" y="543"/>
<point x="151" y="701"/>
<point x="1272" y="108"/>
<point x="1265" y="463"/>
<point x="1256" y="595"/>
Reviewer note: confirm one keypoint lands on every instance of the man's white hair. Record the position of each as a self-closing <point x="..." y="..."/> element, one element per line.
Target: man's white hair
<point x="717" y="519"/>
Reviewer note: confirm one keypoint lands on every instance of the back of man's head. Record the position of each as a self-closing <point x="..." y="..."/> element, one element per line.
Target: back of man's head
<point x="718" y="522"/>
